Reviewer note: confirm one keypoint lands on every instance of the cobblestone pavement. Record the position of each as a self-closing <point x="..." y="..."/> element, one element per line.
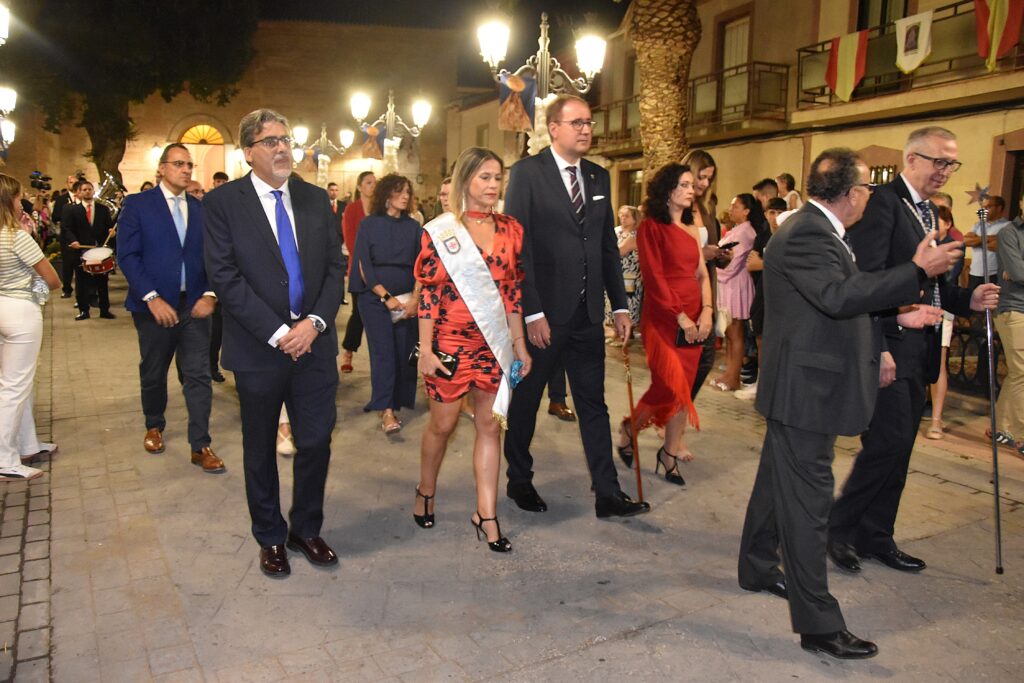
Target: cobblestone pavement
<point x="155" y="576"/>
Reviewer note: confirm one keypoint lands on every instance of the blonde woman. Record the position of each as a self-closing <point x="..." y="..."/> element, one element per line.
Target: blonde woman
<point x="470" y="331"/>
<point x="26" y="278"/>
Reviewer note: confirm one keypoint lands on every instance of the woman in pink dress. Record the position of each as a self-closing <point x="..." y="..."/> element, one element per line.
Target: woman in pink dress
<point x="735" y="286"/>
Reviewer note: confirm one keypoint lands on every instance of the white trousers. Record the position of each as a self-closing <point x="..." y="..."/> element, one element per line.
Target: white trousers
<point x="21" y="335"/>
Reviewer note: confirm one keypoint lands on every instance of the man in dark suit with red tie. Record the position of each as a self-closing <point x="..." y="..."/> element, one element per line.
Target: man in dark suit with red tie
<point x="570" y="260"/>
<point x="273" y="256"/>
<point x="87" y="225"/>
<point x="160" y="249"/>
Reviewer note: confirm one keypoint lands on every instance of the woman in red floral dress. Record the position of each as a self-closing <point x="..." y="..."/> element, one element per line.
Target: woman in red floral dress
<point x="446" y="321"/>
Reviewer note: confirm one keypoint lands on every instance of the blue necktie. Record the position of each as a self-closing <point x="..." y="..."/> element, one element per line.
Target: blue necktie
<point x="289" y="254"/>
<point x="179" y="225"/>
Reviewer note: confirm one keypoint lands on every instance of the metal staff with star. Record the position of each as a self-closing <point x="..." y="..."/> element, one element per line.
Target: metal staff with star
<point x="980" y="194"/>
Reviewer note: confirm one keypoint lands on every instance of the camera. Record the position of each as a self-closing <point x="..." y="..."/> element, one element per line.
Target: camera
<point x="39" y="181"/>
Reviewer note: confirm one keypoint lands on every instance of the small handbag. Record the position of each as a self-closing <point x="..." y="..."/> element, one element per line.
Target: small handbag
<point x="450" y="362"/>
<point x="681" y="339"/>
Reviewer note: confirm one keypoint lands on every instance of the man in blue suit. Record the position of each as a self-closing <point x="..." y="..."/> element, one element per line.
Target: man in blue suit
<point x="273" y="254"/>
<point x="160" y="249"/>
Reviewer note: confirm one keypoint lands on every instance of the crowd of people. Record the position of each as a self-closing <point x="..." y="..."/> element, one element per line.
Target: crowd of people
<point x="842" y="300"/>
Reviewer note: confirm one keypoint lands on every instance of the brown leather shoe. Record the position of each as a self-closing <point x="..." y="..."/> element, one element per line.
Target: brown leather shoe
<point x="208" y="460"/>
<point x="315" y="550"/>
<point x="274" y="562"/>
<point x="561" y="411"/>
<point x="154" y="441"/>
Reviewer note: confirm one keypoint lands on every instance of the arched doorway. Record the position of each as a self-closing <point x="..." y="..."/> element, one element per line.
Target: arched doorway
<point x="206" y="144"/>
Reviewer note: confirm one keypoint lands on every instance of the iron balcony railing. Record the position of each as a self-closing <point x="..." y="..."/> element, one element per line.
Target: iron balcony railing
<point x="617" y="122"/>
<point x="755" y="90"/>
<point x="954" y="57"/>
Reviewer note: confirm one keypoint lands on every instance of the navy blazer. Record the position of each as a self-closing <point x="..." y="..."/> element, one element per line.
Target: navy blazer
<point x="559" y="255"/>
<point x="248" y="274"/>
<point x="150" y="253"/>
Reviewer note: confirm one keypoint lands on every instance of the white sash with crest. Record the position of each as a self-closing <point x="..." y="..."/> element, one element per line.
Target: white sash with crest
<point x="472" y="278"/>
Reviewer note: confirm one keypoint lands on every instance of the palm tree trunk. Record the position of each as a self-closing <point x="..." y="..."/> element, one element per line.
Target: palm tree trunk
<point x="665" y="34"/>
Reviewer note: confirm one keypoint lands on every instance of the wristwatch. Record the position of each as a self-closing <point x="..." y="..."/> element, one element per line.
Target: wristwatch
<point x="319" y="325"/>
<point x="384" y="299"/>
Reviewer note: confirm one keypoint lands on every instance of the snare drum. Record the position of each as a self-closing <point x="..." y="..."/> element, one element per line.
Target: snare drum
<point x="98" y="261"/>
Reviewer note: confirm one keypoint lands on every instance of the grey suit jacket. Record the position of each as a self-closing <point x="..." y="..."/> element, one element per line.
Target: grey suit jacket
<point x="820" y="349"/>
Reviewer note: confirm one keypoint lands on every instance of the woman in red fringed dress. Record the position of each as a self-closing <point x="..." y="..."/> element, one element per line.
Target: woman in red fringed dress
<point x="677" y="298"/>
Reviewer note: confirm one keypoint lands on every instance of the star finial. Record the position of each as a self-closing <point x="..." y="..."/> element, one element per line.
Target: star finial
<point x="978" y="194"/>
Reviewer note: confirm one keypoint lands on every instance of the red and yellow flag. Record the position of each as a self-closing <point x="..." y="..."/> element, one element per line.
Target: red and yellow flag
<point x="998" y="24"/>
<point x="846" y="63"/>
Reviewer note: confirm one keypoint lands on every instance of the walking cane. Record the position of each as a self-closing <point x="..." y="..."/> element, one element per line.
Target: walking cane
<point x="983" y="223"/>
<point x="632" y="429"/>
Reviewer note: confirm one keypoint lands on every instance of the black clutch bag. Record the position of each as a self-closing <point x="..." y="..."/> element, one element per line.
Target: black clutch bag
<point x="450" y="362"/>
<point x="681" y="339"/>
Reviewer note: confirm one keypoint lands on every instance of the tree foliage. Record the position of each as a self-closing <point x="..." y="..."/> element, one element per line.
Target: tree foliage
<point x="85" y="62"/>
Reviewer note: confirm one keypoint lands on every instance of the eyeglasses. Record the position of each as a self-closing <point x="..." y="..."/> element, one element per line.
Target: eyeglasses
<point x="941" y="164"/>
<point x="181" y="164"/>
<point x="870" y="186"/>
<point x="272" y="141"/>
<point x="579" y="124"/>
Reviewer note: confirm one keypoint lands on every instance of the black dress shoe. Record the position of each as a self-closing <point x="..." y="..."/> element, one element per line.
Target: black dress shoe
<point x="315" y="549"/>
<point x="841" y="645"/>
<point x="844" y="556"/>
<point x="526" y="497"/>
<point x="274" y="561"/>
<point x="777" y="588"/>
<point x="619" y="505"/>
<point x="897" y="559"/>
<point x="216" y="376"/>
<point x="65" y="295"/>
<point x="84" y="315"/>
<point x="107" y="315"/>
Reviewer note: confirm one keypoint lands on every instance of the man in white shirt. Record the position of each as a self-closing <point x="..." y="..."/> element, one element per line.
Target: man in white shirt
<point x="996" y="207"/>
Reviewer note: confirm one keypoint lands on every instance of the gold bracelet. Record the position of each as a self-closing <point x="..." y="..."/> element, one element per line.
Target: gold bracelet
<point x="515" y="339"/>
<point x="709" y="306"/>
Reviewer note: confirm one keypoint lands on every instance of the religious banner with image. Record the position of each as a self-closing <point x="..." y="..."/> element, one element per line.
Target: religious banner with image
<point x="846" y="63"/>
<point x="913" y="41"/>
<point x="516" y="103"/>
<point x="998" y="25"/>
<point x="373" y="145"/>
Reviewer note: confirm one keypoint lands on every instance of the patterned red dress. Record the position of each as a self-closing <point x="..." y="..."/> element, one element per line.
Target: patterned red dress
<point x="669" y="258"/>
<point x="455" y="331"/>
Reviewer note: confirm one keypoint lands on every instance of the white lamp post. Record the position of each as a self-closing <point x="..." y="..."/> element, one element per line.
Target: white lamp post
<point x="5" y="23"/>
<point x="390" y="119"/>
<point x="493" y="37"/>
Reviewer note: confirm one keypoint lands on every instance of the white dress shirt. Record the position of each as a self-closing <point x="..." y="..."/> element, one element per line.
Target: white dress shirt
<point x="836" y="223"/>
<point x="269" y="202"/>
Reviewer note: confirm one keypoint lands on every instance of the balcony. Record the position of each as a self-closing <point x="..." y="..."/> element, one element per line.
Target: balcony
<point x="954" y="57"/>
<point x="747" y="98"/>
<point x="617" y="127"/>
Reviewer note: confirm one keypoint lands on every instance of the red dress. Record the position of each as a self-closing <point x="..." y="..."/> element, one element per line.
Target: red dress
<point x="669" y="258"/>
<point x="455" y="331"/>
<point x="350" y="220"/>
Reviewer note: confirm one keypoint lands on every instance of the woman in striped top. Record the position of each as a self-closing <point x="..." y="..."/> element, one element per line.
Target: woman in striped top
<point x="26" y="277"/>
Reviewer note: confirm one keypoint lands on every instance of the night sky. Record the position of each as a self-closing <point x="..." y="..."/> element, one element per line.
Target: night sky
<point x="563" y="15"/>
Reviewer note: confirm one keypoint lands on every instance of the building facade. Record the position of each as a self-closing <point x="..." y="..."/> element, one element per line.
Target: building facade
<point x="759" y="103"/>
<point x="306" y="71"/>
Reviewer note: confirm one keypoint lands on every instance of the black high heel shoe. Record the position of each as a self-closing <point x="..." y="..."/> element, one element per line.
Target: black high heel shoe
<point x="672" y="475"/>
<point x="426" y="520"/>
<point x="626" y="452"/>
<point x="502" y="545"/>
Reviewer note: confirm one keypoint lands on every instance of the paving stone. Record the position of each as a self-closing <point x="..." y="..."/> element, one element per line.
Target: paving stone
<point x="9" y="546"/>
<point x="35" y="591"/>
<point x="10" y="584"/>
<point x="13" y="527"/>
<point x="39" y="532"/>
<point x="13" y="514"/>
<point x="35" y="569"/>
<point x="34" y="671"/>
<point x="38" y="503"/>
<point x="34" y="616"/>
<point x="37" y="550"/>
<point x="7" y="635"/>
<point x="32" y="644"/>
<point x="170" y="659"/>
<point x="9" y="608"/>
<point x="39" y="516"/>
<point x="6" y="664"/>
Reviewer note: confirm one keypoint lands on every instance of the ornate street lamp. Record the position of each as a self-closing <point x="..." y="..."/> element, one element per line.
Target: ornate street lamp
<point x="324" y="145"/>
<point x="390" y="119"/>
<point x="5" y="23"/>
<point x="551" y="78"/>
<point x="8" y="97"/>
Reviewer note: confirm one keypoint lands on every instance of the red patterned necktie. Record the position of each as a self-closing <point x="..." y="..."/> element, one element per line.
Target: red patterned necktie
<point x="88" y="213"/>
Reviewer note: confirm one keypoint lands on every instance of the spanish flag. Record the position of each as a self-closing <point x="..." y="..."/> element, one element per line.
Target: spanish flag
<point x="998" y="25"/>
<point x="846" y="63"/>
